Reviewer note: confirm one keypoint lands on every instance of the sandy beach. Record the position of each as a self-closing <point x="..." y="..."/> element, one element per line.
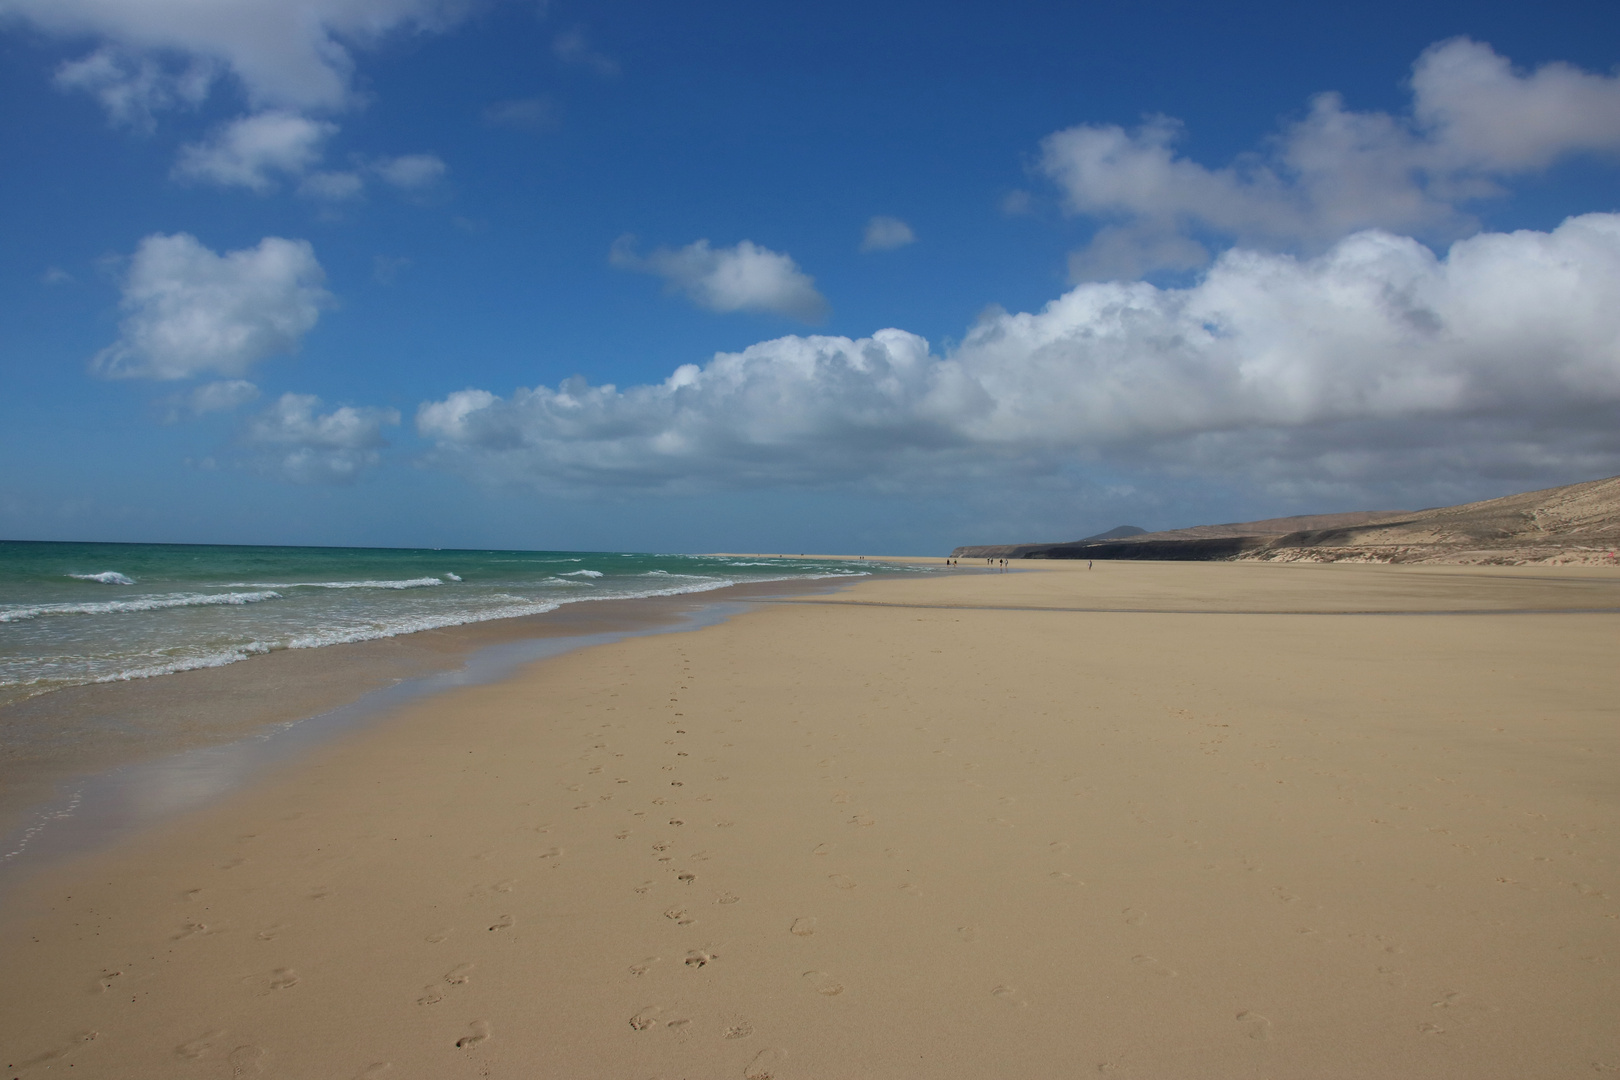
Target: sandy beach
<point x="1147" y="820"/>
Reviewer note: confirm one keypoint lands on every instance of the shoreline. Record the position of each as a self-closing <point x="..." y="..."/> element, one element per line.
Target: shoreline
<point x="117" y="741"/>
<point x="944" y="827"/>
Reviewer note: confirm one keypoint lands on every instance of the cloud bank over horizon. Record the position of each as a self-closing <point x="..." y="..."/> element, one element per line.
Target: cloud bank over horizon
<point x="1272" y="365"/>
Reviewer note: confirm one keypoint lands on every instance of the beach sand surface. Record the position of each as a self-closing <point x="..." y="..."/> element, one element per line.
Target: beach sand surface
<point x="1150" y="820"/>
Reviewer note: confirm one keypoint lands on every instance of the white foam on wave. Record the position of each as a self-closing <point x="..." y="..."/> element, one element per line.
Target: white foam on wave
<point x="582" y="573"/>
<point x="565" y="581"/>
<point x="149" y="603"/>
<point x="452" y="577"/>
<point x="408" y="583"/>
<point x="106" y="577"/>
<point x="336" y="636"/>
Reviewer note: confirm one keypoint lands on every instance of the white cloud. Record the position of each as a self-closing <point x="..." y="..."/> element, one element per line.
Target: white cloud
<point x="1474" y="122"/>
<point x="746" y="277"/>
<point x="55" y="275"/>
<point x="189" y="312"/>
<point x="248" y="151"/>
<point x="221" y="396"/>
<point x="886" y="234"/>
<point x="132" y="88"/>
<point x="285" y="55"/>
<point x="1345" y="365"/>
<point x="410" y="172"/>
<point x="292" y="439"/>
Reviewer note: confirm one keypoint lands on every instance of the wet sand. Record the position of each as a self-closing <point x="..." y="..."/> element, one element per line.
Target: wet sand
<point x="52" y="744"/>
<point x="1193" y="820"/>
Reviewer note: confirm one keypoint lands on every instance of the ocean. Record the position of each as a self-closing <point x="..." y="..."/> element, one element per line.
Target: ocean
<point x="72" y="614"/>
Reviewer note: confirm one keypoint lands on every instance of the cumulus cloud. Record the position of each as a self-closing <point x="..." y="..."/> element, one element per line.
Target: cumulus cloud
<point x="285" y="55"/>
<point x="886" y="234"/>
<point x="746" y="277"/>
<point x="1373" y="345"/>
<point x="295" y="441"/>
<point x="188" y="311"/>
<point x="251" y="150"/>
<point x="1474" y="122"/>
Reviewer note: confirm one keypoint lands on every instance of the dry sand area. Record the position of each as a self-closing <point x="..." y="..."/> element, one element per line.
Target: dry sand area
<point x="1151" y="820"/>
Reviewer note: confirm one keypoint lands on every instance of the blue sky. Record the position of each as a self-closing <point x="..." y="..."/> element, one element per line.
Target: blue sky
<point x="794" y="277"/>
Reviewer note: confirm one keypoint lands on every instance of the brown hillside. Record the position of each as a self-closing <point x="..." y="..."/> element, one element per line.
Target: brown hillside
<point x="1577" y="523"/>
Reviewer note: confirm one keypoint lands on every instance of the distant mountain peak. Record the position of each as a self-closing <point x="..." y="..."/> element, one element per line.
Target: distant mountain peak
<point x="1116" y="533"/>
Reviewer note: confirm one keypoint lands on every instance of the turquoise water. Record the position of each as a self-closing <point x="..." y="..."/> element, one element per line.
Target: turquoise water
<point x="80" y="613"/>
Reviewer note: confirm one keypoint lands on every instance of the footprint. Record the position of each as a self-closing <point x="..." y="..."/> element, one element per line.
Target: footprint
<point x="1259" y="1026"/>
<point x="458" y="975"/>
<point x="645" y="1019"/>
<point x="679" y="916"/>
<point x="841" y="881"/>
<point x="823" y="983"/>
<point x="281" y="978"/>
<point x="199" y="1046"/>
<point x="1010" y="995"/>
<point x="677" y="1025"/>
<point x="431" y="995"/>
<point x="432" y="939"/>
<point x="910" y="890"/>
<point x="622" y="834"/>
<point x="60" y="1052"/>
<point x="727" y="898"/>
<point x="862" y="820"/>
<point x="698" y="958"/>
<point x="374" y="1070"/>
<point x="189" y="929"/>
<point x="841" y="797"/>
<point x="1149" y="963"/>
<point x="822" y="849"/>
<point x="967" y="933"/>
<point x="502" y="922"/>
<point x="740" y="1030"/>
<point x="479" y="1032"/>
<point x="1057" y="845"/>
<point x="803" y="927"/>
<point x="269" y="933"/>
<point x="1133" y="916"/>
<point x="645" y="966"/>
<point x="1431" y="1029"/>
<point x="767" y="1064"/>
<point x="687" y="877"/>
<point x="1063" y="878"/>
<point x="245" y="1061"/>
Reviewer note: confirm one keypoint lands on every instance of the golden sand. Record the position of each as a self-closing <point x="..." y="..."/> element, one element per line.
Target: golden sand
<point x="1152" y="821"/>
